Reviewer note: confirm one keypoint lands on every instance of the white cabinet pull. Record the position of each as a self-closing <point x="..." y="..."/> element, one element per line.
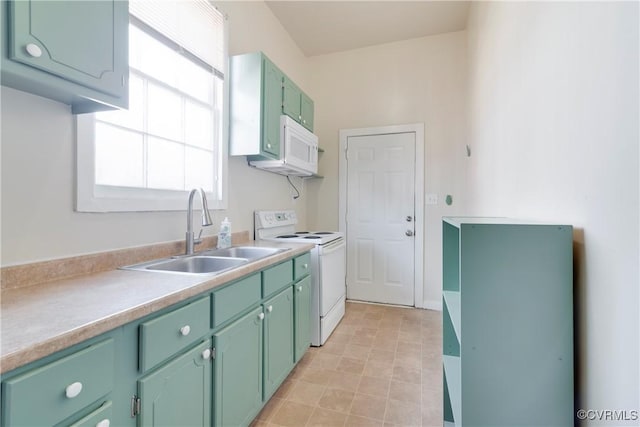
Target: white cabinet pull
<point x="270" y="308"/>
<point x="261" y="316"/>
<point x="34" y="50"/>
<point x="184" y="331"/>
<point x="206" y="354"/>
<point x="268" y="145"/>
<point x="73" y="390"/>
<point x="305" y="266"/>
<point x="299" y="288"/>
<point x="104" y="423"/>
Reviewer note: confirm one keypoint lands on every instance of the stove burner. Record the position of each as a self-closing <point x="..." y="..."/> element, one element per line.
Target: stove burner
<point x="312" y="237"/>
<point x="287" y="236"/>
<point x="302" y="232"/>
<point x="323" y="232"/>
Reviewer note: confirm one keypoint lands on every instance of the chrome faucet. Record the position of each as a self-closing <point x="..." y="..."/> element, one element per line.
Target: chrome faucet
<point x="206" y="220"/>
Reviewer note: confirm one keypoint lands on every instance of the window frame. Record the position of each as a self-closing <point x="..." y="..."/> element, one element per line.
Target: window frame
<point x="92" y="197"/>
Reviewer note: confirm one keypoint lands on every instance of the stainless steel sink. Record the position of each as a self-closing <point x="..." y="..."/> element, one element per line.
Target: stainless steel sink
<point x="248" y="252"/>
<point x="211" y="262"/>
<point x="191" y="265"/>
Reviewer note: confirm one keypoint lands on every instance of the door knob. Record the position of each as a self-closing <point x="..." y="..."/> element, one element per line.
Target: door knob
<point x="409" y="233"/>
<point x="409" y="218"/>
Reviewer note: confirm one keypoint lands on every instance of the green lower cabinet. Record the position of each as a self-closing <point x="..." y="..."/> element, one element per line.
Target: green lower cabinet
<point x="301" y="316"/>
<point x="278" y="340"/>
<point x="101" y="417"/>
<point x="179" y="393"/>
<point x="59" y="389"/>
<point x="238" y="371"/>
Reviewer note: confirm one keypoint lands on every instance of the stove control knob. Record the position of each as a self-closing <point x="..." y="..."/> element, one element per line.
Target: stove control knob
<point x="409" y="233"/>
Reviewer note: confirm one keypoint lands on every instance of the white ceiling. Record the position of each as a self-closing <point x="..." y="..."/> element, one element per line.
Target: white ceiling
<point x="320" y="27"/>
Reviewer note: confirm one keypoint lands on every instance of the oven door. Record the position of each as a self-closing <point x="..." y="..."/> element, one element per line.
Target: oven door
<point x="332" y="274"/>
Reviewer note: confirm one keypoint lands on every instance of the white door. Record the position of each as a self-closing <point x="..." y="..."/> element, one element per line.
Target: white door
<point x="380" y="217"/>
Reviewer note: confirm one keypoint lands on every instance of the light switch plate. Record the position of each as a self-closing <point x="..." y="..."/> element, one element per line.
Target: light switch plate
<point x="432" y="199"/>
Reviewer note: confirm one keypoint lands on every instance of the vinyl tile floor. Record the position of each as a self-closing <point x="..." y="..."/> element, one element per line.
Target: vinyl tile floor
<point x="382" y="366"/>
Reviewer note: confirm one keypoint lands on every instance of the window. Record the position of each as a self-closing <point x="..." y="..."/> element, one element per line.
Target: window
<point x="170" y="140"/>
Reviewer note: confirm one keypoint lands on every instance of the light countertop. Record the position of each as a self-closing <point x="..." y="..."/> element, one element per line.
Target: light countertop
<point x="36" y="321"/>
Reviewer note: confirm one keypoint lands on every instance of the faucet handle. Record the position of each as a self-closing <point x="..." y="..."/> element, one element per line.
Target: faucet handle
<point x="198" y="239"/>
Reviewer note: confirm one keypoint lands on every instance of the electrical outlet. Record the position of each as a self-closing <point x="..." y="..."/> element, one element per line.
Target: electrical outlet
<point x="432" y="199"/>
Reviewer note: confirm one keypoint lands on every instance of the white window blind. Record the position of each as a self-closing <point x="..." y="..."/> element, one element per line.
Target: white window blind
<point x="194" y="25"/>
<point x="170" y="140"/>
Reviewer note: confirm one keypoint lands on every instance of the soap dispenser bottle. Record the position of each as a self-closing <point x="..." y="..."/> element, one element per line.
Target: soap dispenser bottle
<point x="224" y="236"/>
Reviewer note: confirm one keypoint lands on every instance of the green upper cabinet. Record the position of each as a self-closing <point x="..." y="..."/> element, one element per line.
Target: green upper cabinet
<point x="179" y="393"/>
<point x="259" y="94"/>
<point x="271" y="106"/>
<point x="255" y="106"/>
<point x="296" y="104"/>
<point x="75" y="52"/>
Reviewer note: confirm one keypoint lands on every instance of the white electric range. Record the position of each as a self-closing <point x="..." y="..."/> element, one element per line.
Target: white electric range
<point x="328" y="268"/>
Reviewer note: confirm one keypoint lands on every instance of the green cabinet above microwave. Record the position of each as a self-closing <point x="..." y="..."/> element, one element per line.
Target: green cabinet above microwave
<point x="259" y="94"/>
<point x="75" y="52"/>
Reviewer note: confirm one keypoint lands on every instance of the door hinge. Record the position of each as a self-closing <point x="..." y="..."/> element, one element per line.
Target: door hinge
<point x="213" y="353"/>
<point x="135" y="406"/>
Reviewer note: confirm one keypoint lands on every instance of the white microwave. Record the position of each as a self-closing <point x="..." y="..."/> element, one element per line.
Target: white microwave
<point x="298" y="151"/>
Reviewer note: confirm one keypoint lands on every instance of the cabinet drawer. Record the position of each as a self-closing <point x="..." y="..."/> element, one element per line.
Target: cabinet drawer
<point x="235" y="298"/>
<point x="51" y="393"/>
<point x="301" y="266"/>
<point x="170" y="333"/>
<point x="276" y="278"/>
<point x="101" y="417"/>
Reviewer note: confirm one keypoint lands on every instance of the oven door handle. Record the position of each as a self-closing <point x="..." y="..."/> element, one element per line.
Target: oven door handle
<point x="332" y="246"/>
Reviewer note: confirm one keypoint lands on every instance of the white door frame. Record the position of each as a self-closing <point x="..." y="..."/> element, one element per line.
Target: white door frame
<point x="418" y="248"/>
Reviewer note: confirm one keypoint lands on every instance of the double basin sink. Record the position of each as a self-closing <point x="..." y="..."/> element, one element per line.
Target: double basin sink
<point x="210" y="262"/>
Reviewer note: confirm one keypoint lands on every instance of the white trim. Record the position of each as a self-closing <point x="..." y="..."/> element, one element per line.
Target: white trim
<point x="418" y="129"/>
<point x="433" y="305"/>
<point x="97" y="198"/>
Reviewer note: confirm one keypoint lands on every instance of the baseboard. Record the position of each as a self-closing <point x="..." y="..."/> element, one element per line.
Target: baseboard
<point x="433" y="305"/>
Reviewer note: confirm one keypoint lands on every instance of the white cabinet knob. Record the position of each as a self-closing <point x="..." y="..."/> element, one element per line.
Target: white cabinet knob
<point x="261" y="316"/>
<point x="304" y="121"/>
<point x="73" y="390"/>
<point x="184" y="331"/>
<point x="270" y="308"/>
<point x="305" y="266"/>
<point x="104" y="423"/>
<point x="34" y="50"/>
<point x="299" y="117"/>
<point x="299" y="288"/>
<point x="268" y="145"/>
<point x="206" y="354"/>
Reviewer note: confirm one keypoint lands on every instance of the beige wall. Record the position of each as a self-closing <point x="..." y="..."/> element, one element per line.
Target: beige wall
<point x="414" y="81"/>
<point x="553" y="109"/>
<point x="38" y="168"/>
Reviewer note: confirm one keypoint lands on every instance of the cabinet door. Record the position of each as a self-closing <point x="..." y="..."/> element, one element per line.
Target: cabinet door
<point x="278" y="340"/>
<point x="81" y="41"/>
<point x="238" y="371"/>
<point x="271" y="108"/>
<point x="59" y="389"/>
<point x="302" y="320"/>
<point x="178" y="394"/>
<point x="306" y="111"/>
<point x="291" y="99"/>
